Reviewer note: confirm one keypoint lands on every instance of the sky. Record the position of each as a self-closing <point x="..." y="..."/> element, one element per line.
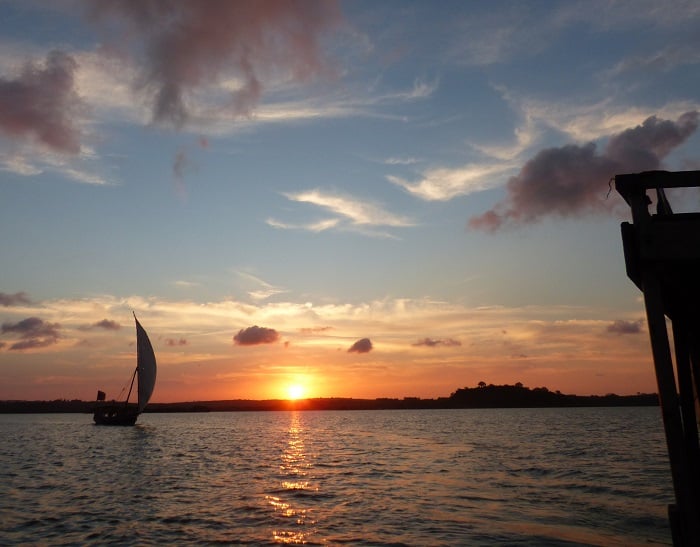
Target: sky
<point x="332" y="199"/>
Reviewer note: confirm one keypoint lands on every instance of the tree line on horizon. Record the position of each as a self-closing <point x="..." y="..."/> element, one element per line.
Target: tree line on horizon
<point x="482" y="396"/>
<point x="517" y="395"/>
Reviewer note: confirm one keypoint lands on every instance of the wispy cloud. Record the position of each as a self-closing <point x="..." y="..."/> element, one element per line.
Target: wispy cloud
<point x="261" y="289"/>
<point x="183" y="284"/>
<point x="660" y="61"/>
<point x="18" y="165"/>
<point x="525" y="135"/>
<point x="434" y="342"/>
<point x="27" y="159"/>
<point x="442" y="184"/>
<point x="319" y="226"/>
<point x="353" y="214"/>
<point x="585" y="121"/>
<point x="400" y="161"/>
<point x="421" y="90"/>
<point x="490" y="37"/>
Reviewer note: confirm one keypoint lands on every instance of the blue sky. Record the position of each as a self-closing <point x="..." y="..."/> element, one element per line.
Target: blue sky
<point x="430" y="176"/>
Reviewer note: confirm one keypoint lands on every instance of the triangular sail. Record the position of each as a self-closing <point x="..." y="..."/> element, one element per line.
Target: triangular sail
<point x="145" y="365"/>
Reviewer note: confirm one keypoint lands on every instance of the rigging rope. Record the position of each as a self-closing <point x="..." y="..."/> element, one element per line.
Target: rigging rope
<point x="610" y="182"/>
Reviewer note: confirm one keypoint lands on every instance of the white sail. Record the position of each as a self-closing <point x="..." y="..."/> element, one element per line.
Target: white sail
<point x="145" y="365"/>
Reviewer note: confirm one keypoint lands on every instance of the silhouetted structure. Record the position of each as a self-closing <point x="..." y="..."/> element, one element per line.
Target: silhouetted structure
<point x="118" y="413"/>
<point x="662" y="257"/>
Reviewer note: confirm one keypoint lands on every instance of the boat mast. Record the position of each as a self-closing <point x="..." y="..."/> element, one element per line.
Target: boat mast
<point x="133" y="376"/>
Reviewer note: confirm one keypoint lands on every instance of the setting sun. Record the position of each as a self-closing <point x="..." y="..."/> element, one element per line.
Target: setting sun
<point x="295" y="391"/>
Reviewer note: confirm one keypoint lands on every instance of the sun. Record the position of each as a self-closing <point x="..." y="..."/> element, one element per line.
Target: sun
<point x="295" y="391"/>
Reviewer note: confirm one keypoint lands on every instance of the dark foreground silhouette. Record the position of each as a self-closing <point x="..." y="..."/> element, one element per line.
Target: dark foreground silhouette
<point x="483" y="396"/>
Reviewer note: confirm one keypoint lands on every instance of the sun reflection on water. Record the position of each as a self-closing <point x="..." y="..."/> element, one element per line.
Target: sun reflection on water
<point x="294" y="469"/>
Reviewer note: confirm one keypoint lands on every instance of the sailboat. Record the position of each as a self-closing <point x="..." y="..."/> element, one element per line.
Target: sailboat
<point x="125" y="413"/>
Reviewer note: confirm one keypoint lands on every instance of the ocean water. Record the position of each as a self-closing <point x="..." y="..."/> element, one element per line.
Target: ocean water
<point x="578" y="476"/>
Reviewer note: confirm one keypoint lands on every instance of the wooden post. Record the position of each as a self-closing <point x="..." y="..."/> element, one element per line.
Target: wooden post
<point x="681" y="332"/>
<point x="686" y="521"/>
<point x="662" y="257"/>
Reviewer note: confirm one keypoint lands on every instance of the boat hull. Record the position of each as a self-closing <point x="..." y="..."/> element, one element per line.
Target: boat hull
<point x="115" y="415"/>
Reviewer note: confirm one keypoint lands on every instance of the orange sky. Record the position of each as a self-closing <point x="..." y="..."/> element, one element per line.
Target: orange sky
<point x="418" y="348"/>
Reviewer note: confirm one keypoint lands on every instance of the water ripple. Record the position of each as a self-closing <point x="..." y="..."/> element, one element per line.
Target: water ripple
<point x="476" y="477"/>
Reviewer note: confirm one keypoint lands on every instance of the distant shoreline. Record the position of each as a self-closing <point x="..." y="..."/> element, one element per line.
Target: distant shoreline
<point x="480" y="397"/>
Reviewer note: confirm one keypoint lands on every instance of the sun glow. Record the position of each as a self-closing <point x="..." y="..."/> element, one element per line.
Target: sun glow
<point x="295" y="391"/>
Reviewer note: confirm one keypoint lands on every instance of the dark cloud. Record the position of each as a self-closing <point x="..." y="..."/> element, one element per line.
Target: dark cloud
<point x="7" y="300"/>
<point x="33" y="333"/>
<point x="572" y="180"/>
<point x="32" y="326"/>
<point x="431" y="343"/>
<point x="255" y="335"/>
<point x="188" y="45"/>
<point x="32" y="343"/>
<point x="625" y="327"/>
<point x="364" y="345"/>
<point x="176" y="342"/>
<point x="42" y="104"/>
<point x="107" y="324"/>
<point x="312" y="330"/>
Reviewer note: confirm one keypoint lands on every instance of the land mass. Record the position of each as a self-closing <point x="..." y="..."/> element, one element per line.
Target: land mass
<point x="483" y="396"/>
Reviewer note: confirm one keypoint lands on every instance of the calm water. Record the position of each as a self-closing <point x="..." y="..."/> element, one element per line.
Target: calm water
<point x="439" y="477"/>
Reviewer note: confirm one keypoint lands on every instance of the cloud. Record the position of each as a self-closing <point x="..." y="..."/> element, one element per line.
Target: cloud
<point x="358" y="212"/>
<point x="172" y="342"/>
<point x="420" y="90"/>
<point x="625" y="327"/>
<point x="364" y="345"/>
<point x="107" y="324"/>
<point x="431" y="343"/>
<point x="33" y="333"/>
<point x="42" y="105"/>
<point x="32" y="343"/>
<point x="571" y="180"/>
<point x="259" y="289"/>
<point x="32" y="326"/>
<point x="18" y="298"/>
<point x="190" y="46"/>
<point x="313" y="330"/>
<point x="253" y="336"/>
<point x="400" y="161"/>
<point x="659" y="61"/>
<point x="183" y="284"/>
<point x="443" y="184"/>
<point x="320" y="226"/>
